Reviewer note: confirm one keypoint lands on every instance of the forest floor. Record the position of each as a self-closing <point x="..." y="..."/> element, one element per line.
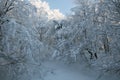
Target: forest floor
<point x="56" y="70"/>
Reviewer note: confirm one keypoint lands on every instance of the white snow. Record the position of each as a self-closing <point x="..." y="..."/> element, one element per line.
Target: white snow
<point x="51" y="13"/>
<point x="61" y="71"/>
<point x="56" y="70"/>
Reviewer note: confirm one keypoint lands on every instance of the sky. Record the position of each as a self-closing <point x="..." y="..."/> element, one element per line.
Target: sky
<point x="63" y="5"/>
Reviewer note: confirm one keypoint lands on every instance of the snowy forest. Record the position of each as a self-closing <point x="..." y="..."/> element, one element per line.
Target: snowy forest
<point x="37" y="43"/>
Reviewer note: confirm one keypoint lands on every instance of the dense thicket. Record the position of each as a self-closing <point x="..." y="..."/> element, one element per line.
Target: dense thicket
<point x="90" y="35"/>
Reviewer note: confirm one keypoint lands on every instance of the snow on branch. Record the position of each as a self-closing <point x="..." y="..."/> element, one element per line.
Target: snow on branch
<point x="6" y="6"/>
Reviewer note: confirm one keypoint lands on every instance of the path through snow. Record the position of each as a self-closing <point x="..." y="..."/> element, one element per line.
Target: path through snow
<point x="61" y="71"/>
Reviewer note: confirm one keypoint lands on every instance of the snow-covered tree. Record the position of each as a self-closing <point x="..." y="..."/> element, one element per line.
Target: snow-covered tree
<point x="31" y="32"/>
<point x="96" y="24"/>
<point x="20" y="48"/>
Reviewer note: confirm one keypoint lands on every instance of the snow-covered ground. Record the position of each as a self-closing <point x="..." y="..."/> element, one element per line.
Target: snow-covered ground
<point x="61" y="71"/>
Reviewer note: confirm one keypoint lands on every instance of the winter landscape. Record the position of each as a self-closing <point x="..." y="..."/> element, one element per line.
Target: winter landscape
<point x="40" y="43"/>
